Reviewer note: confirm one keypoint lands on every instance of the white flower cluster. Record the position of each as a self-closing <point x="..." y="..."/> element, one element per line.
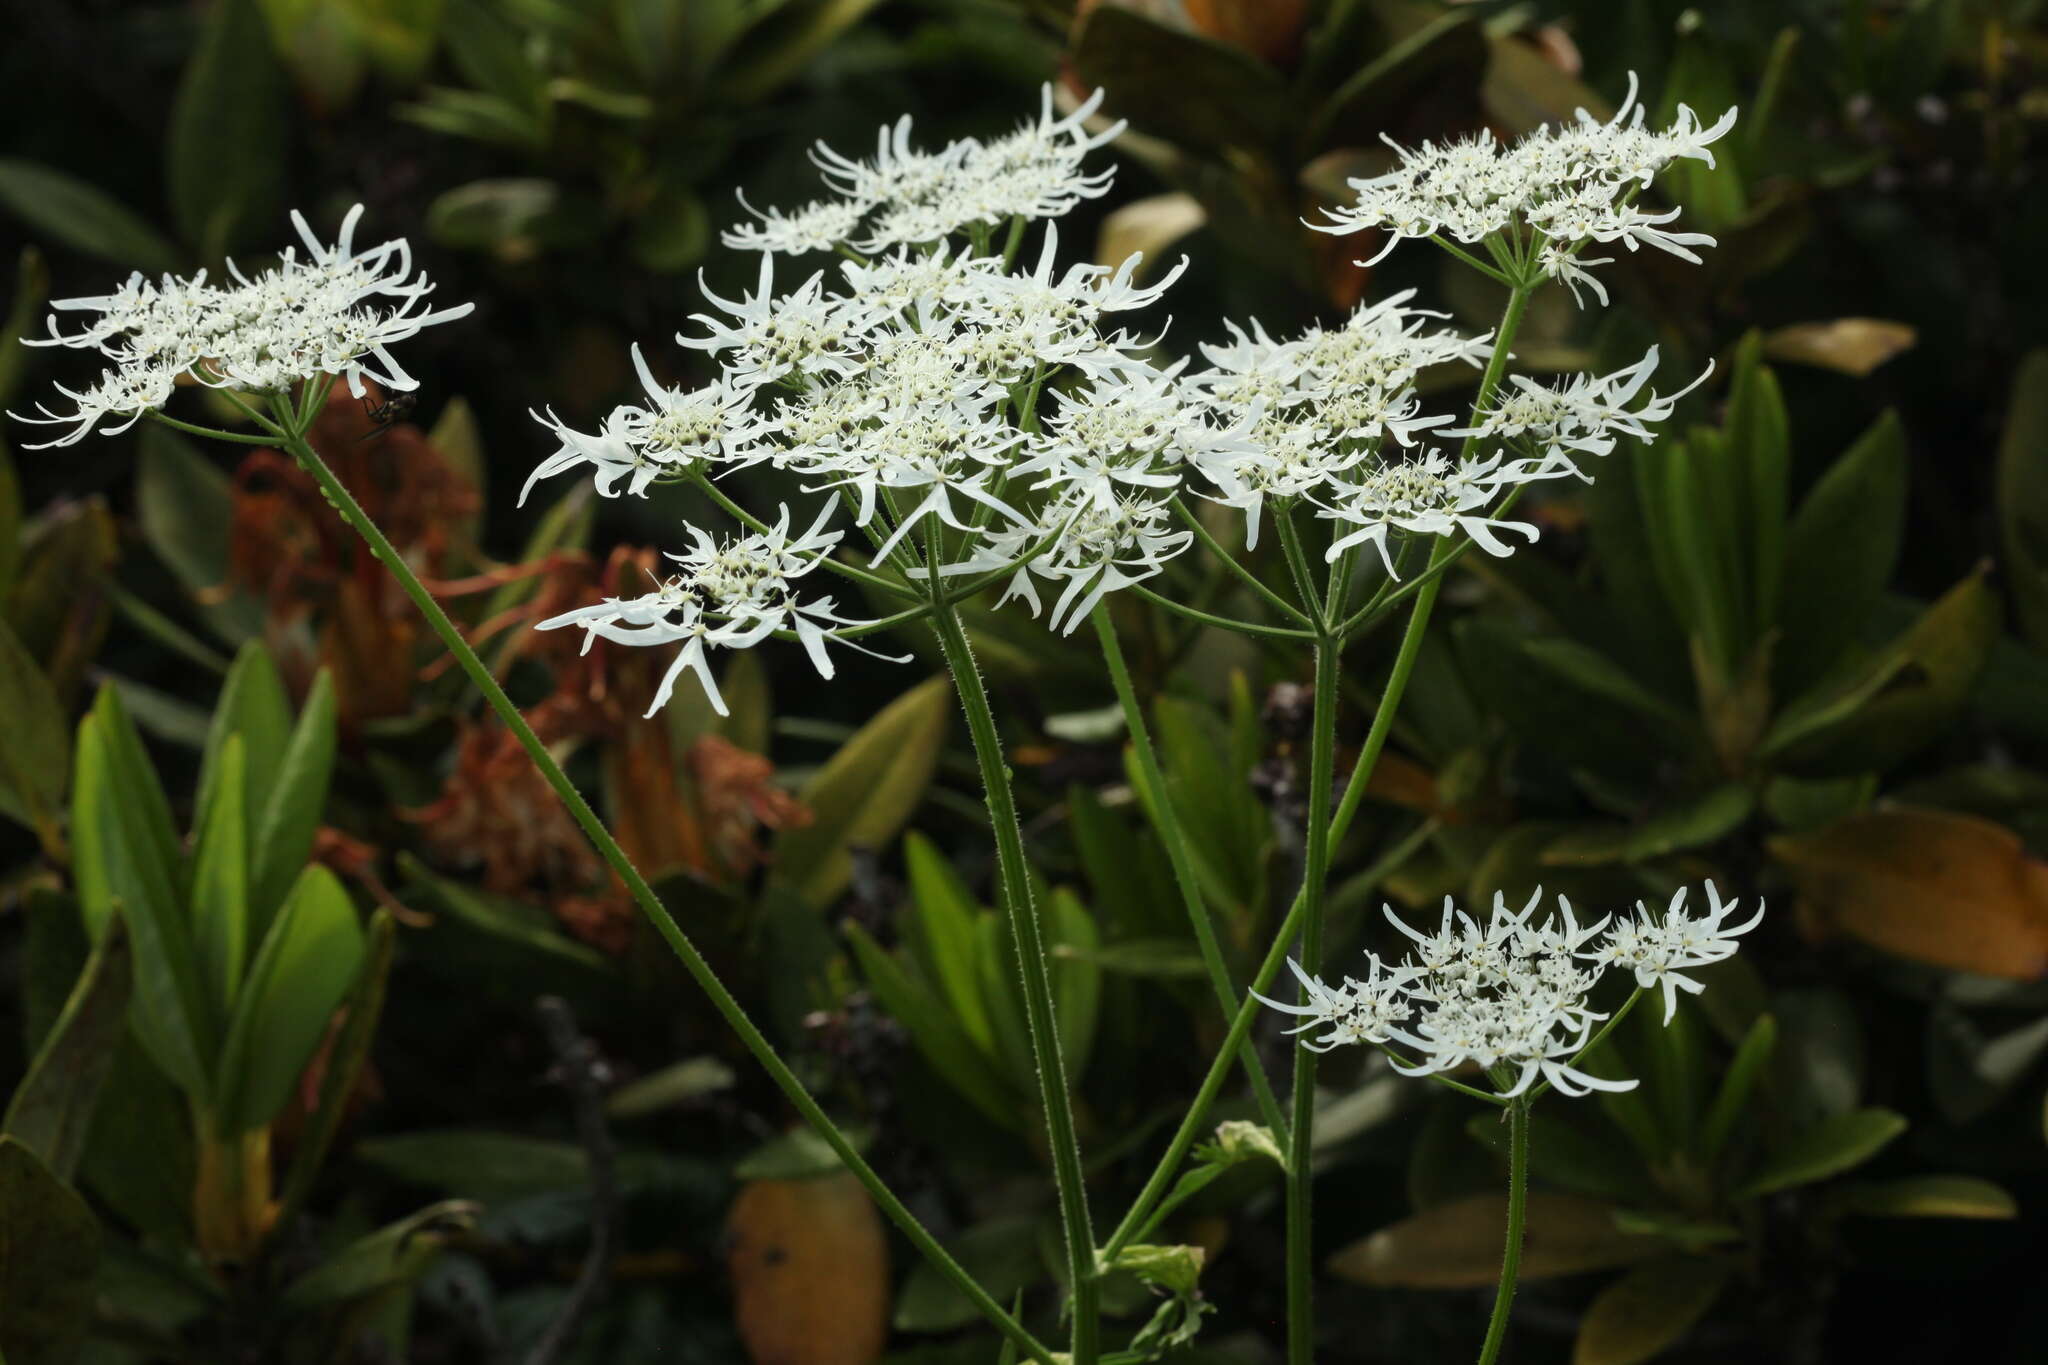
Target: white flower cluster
<point x="730" y="596"/>
<point x="902" y="196"/>
<point x="1510" y="997"/>
<point x="1572" y="185"/>
<point x="334" y="312"/>
<point x="979" y="417"/>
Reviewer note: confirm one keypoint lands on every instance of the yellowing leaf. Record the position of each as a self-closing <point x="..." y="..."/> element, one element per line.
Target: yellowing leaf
<point x="1853" y="346"/>
<point x="1647" y="1310"/>
<point x="1931" y="1196"/>
<point x="810" y="1272"/>
<point x="1943" y="888"/>
<point x="865" y="792"/>
<point x="1458" y="1245"/>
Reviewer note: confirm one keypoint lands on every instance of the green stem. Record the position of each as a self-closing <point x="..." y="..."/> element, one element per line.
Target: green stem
<point x="693" y="961"/>
<point x="210" y="433"/>
<point x="1175" y="838"/>
<point x="1155" y="1188"/>
<point x="1297" y="562"/>
<point x="1220" y="622"/>
<point x="1518" y="1201"/>
<point x="1242" y="572"/>
<point x="1029" y="942"/>
<point x="1314" y="873"/>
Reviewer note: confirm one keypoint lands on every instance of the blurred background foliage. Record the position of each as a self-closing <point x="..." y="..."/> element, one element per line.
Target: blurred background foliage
<point x="298" y="1105"/>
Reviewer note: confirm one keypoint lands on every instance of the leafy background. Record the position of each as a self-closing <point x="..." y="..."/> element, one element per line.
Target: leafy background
<point x="1801" y="645"/>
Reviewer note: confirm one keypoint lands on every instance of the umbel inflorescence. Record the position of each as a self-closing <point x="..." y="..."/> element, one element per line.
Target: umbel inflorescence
<point x="336" y="311"/>
<point x="970" y="418"/>
<point x="1510" y="996"/>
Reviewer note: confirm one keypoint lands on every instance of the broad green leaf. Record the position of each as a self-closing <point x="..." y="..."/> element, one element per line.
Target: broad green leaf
<point x="1698" y="822"/>
<point x="139" y="1158"/>
<point x="488" y="49"/>
<point x="526" y="927"/>
<point x="679" y="1083"/>
<point x="1931" y="1196"/>
<point x="775" y="50"/>
<point x="1002" y="1255"/>
<point x="2023" y="498"/>
<point x="31" y="291"/>
<point x="285" y="824"/>
<point x="454" y="436"/>
<point x="66" y="211"/>
<point x="229" y="131"/>
<point x="126" y="862"/>
<point x="220" y="880"/>
<point x="476" y="1163"/>
<point x="1822" y="1057"/>
<point x="306" y="964"/>
<point x="933" y="1030"/>
<point x="1076" y="981"/>
<point x="49" y="1253"/>
<point x="1602" y="677"/>
<point x="1738" y="1085"/>
<point x="185" y="505"/>
<point x="799" y="1154"/>
<point x="996" y="966"/>
<point x="35" y="763"/>
<point x="1648" y="1310"/>
<point x="1835" y="1145"/>
<point x="1457" y="1245"/>
<point x="393" y="1255"/>
<point x="252" y="704"/>
<point x="946" y="915"/>
<point x="1902" y="699"/>
<point x="52" y="1109"/>
<point x="1839" y="553"/>
<point x="1583" y="1159"/>
<point x="1759" y="456"/>
<point x="365" y="1006"/>
<point x="1147" y="68"/>
<point x="56" y="606"/>
<point x="475" y="115"/>
<point x="865" y="792"/>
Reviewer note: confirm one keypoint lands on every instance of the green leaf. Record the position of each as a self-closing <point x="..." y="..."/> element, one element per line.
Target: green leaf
<point x="1581" y="1159"/>
<point x="477" y="1164"/>
<point x="49" y="1256"/>
<point x="125" y="861"/>
<point x="1759" y="455"/>
<point x="1648" y="1310"/>
<point x="1900" y="700"/>
<point x="799" y="1154"/>
<point x="1442" y="51"/>
<point x="1602" y="677"/>
<point x="491" y="53"/>
<point x="1931" y="1196"/>
<point x="31" y="290"/>
<point x="454" y="436"/>
<point x="946" y="915"/>
<point x="220" y="881"/>
<point x="865" y="792"/>
<point x="365" y="1006"/>
<point x="185" y="505"/>
<point x="1076" y="981"/>
<point x="933" y="1030"/>
<point x="1738" y="1085"/>
<point x="394" y="1255"/>
<point x="1148" y="69"/>
<point x="66" y="211"/>
<point x="1164" y="958"/>
<point x="525" y="927"/>
<point x="229" y="131"/>
<point x="1835" y="1145"/>
<point x="35" y="764"/>
<point x="287" y="821"/>
<point x="2023" y="498"/>
<point x="306" y="965"/>
<point x="253" y="705"/>
<point x="1839" y="553"/>
<point x="679" y="1083"/>
<point x="1002" y="1255"/>
<point x="52" y="1109"/>
<point x="1703" y="820"/>
<point x="776" y="50"/>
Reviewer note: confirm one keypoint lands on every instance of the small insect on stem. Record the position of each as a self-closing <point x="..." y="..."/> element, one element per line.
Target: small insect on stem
<point x="383" y="416"/>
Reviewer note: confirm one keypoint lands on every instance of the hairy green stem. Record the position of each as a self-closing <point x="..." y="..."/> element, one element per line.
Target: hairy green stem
<point x="1175" y="838"/>
<point x="1230" y="562"/>
<point x="1315" y="869"/>
<point x="643" y="894"/>
<point x="1220" y="622"/>
<point x="1140" y="1214"/>
<point x="1518" y="1202"/>
<point x="1029" y="942"/>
